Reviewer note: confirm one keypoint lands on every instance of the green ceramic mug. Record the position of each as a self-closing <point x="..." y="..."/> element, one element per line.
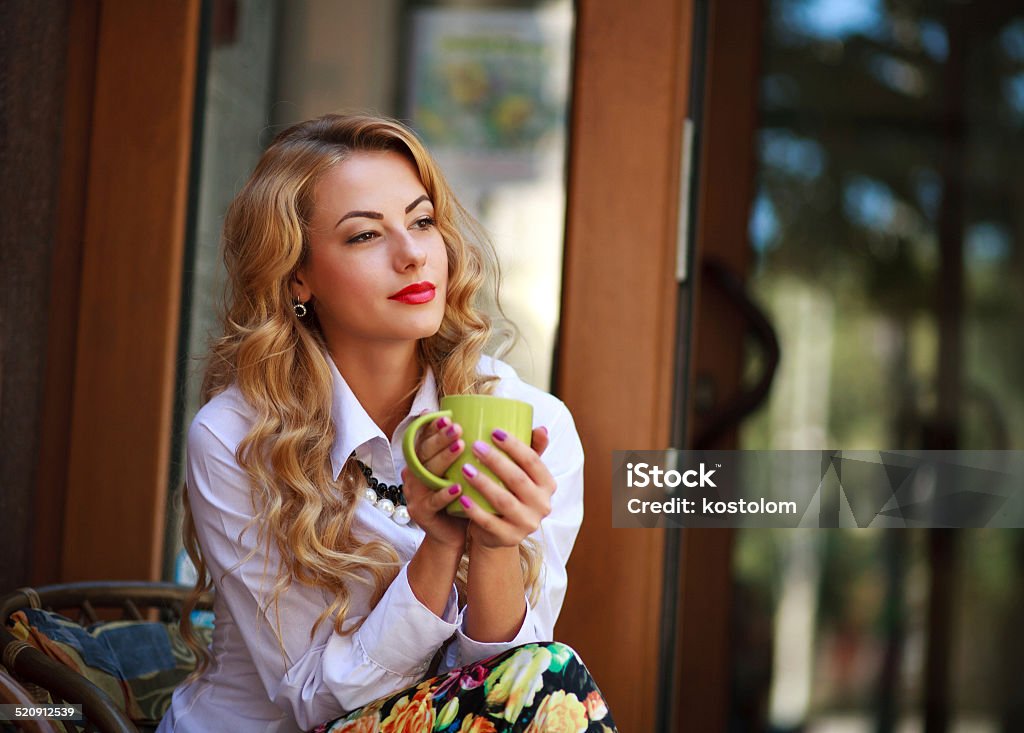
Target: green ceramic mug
<point x="479" y="416"/>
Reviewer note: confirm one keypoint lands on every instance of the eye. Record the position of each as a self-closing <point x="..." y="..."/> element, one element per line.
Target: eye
<point x="362" y="237"/>
<point x="424" y="222"/>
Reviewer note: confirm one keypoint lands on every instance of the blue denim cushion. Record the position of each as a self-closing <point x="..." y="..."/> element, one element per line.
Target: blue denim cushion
<point x="125" y="649"/>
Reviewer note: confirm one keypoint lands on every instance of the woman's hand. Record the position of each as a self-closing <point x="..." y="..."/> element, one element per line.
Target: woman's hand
<point x="437" y="446"/>
<point x="523" y="502"/>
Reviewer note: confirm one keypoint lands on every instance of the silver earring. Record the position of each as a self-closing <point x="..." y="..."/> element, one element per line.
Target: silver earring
<point x="300" y="309"/>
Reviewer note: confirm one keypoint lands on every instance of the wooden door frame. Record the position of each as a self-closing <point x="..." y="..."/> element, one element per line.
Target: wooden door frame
<point x="127" y="150"/>
<point x="618" y="326"/>
<point x="728" y="168"/>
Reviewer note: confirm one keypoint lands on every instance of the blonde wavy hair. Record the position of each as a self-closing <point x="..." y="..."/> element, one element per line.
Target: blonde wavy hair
<point x="280" y="364"/>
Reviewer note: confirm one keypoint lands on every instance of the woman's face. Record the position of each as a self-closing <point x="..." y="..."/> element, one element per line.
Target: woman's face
<point x="377" y="269"/>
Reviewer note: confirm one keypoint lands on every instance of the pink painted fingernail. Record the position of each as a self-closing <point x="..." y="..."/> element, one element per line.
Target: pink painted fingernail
<point x="450" y="432"/>
<point x="442" y="423"/>
<point x="456" y="446"/>
<point x="481" y="448"/>
<point x="464" y="500"/>
<point x="544" y="429"/>
<point x="454" y="489"/>
<point x="469" y="470"/>
<point x="499" y="434"/>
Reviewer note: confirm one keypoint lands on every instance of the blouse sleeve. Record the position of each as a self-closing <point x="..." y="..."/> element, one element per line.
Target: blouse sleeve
<point x="312" y="679"/>
<point x="556" y="535"/>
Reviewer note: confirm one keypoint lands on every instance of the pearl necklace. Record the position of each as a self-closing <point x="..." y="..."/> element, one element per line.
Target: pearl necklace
<point x="389" y="500"/>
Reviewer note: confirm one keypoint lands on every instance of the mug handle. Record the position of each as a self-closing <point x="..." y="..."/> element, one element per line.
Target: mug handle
<point x="409" y="449"/>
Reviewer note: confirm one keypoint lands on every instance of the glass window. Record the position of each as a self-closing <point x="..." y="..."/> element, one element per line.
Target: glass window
<point x="886" y="236"/>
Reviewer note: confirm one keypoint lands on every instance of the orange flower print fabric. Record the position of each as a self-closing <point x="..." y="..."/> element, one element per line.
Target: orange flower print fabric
<point x="410" y="716"/>
<point x="534" y="688"/>
<point x="559" y="713"/>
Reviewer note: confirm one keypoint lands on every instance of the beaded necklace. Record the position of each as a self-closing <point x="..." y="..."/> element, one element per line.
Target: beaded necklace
<point x="388" y="499"/>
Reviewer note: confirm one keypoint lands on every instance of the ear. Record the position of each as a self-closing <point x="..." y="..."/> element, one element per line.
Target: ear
<point x="300" y="290"/>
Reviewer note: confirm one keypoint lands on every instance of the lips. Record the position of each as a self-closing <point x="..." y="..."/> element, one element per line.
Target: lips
<point x="415" y="294"/>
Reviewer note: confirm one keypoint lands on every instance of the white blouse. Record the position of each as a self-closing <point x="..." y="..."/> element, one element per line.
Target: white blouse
<point x="254" y="685"/>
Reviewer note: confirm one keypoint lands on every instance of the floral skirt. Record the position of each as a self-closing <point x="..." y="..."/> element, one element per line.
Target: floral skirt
<point x="534" y="688"/>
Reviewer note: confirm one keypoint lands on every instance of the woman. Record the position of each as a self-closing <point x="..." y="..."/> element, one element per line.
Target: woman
<point x="353" y="286"/>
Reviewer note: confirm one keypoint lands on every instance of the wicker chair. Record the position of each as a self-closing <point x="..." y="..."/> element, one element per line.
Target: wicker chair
<point x="84" y="603"/>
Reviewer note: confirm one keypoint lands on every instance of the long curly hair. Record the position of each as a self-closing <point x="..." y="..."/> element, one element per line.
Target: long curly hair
<point x="280" y="364"/>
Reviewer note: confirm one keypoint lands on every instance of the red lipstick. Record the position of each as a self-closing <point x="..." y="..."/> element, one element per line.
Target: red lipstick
<point x="415" y="294"/>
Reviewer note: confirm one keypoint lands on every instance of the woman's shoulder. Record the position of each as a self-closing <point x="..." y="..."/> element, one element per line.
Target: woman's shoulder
<point x="565" y="451"/>
<point x="547" y="407"/>
<point x="226" y="419"/>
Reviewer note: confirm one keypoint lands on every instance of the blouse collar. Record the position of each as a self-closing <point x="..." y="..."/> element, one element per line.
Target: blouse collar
<point x="353" y="427"/>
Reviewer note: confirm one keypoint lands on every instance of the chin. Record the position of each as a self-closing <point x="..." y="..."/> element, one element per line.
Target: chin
<point x="430" y="323"/>
<point x="414" y="325"/>
<point x="422" y="330"/>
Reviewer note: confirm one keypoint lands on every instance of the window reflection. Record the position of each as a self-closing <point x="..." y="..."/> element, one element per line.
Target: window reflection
<point x="488" y="88"/>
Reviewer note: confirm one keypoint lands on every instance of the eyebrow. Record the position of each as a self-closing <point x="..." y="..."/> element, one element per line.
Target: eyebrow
<point x="377" y="214"/>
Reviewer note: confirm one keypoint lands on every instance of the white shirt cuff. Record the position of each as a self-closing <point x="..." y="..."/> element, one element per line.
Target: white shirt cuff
<point x="402" y="635"/>
<point x="468" y="650"/>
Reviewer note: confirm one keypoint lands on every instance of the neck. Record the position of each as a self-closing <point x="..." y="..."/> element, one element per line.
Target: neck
<point x="382" y="377"/>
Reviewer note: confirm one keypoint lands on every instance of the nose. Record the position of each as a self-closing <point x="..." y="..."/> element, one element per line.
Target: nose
<point x="409" y="254"/>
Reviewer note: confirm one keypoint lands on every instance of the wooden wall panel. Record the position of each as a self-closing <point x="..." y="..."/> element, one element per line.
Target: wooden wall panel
<point x="619" y="321"/>
<point x="65" y="283"/>
<point x="130" y="289"/>
<point x="33" y="42"/>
